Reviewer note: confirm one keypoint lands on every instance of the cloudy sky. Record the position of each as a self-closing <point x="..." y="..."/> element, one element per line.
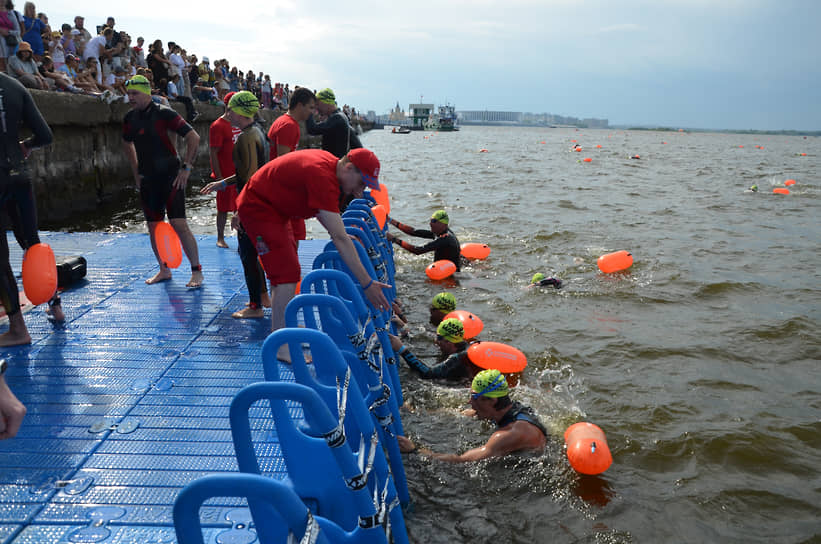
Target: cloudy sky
<point x="736" y="64"/>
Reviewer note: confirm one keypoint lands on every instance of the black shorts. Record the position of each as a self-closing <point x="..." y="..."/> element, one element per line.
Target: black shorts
<point x="159" y="197"/>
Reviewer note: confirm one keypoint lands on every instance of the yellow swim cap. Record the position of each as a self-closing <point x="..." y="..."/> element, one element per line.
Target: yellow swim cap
<point x="244" y="103"/>
<point x="489" y="383"/>
<point x="444" y="301"/>
<point x="441" y="216"/>
<point x="326" y="96"/>
<point x="139" y="83"/>
<point x="451" y="330"/>
<point x="537" y="277"/>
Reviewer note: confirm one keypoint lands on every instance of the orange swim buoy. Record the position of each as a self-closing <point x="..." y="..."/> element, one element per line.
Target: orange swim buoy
<point x="472" y="324"/>
<point x="381" y="196"/>
<point x="587" y="448"/>
<point x="789" y="182"/>
<point x="168" y="244"/>
<point x="440" y="270"/>
<point x="587" y="159"/>
<point x="598" y="146"/>
<point x="506" y="359"/>
<point x="483" y="150"/>
<point x="577" y="149"/>
<point x="781" y="191"/>
<point x="380" y="214"/>
<point x="614" y="262"/>
<point x="474" y="250"/>
<point x="39" y="273"/>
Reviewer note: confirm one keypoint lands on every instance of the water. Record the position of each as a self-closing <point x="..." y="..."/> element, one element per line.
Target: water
<point x="700" y="362"/>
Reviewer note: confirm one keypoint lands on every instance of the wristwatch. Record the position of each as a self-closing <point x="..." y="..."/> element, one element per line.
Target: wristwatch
<point x="3" y="366"/>
<point x="186" y="166"/>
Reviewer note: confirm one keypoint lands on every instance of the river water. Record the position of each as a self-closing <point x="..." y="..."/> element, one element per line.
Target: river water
<point x="701" y="362"/>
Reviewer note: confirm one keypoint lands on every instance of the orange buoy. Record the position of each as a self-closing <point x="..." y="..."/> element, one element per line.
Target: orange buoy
<point x="473" y="250"/>
<point x="663" y="143"/>
<point x="781" y="191"/>
<point x="440" y="270"/>
<point x="483" y="150"/>
<point x="614" y="262"/>
<point x="587" y="448"/>
<point x="741" y="146"/>
<point x="506" y="359"/>
<point x="803" y="154"/>
<point x="168" y="244"/>
<point x="39" y="273"/>
<point x="577" y="149"/>
<point x="572" y="141"/>
<point x="598" y="146"/>
<point x="587" y="159"/>
<point x="636" y="157"/>
<point x="380" y="214"/>
<point x="789" y="182"/>
<point x="472" y="324"/>
<point x="381" y="197"/>
<point x="542" y="142"/>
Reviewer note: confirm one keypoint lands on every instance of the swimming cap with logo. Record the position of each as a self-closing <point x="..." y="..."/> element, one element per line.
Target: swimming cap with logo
<point x="441" y="216"/>
<point x="244" y="103"/>
<point x="489" y="383"/>
<point x="537" y="277"/>
<point x="326" y="96"/>
<point x="444" y="301"/>
<point x="451" y="330"/>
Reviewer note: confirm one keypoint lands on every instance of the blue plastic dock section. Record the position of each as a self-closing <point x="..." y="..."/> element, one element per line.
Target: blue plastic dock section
<point x="128" y="401"/>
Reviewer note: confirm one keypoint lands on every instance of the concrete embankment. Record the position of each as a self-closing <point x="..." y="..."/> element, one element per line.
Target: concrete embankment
<point x="85" y="165"/>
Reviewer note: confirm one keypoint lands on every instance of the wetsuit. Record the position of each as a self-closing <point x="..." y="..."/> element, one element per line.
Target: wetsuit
<point x="250" y="153"/>
<point x="338" y="136"/>
<point x="16" y="195"/>
<point x="444" y="246"/>
<point x="555" y="282"/>
<point x="519" y="412"/>
<point x="157" y="160"/>
<point x="455" y="367"/>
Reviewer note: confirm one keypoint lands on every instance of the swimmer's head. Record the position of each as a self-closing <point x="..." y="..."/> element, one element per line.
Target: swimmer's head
<point x="754" y="188"/>
<point x="489" y="383"/>
<point x="140" y="84"/>
<point x="451" y="330"/>
<point x="537" y="277"/>
<point x="244" y="103"/>
<point x="444" y="301"/>
<point x="440" y="216"/>
<point x="326" y="96"/>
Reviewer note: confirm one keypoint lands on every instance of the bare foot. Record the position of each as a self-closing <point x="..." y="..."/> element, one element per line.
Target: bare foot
<point x="248" y="313"/>
<point x="266" y="300"/>
<point x="196" y="279"/>
<point x="55" y="312"/>
<point x="163" y="275"/>
<point x="222" y="243"/>
<point x="10" y="338"/>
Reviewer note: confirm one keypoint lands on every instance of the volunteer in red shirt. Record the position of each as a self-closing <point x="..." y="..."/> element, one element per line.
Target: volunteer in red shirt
<point x="221" y="139"/>
<point x="284" y="137"/>
<point x="304" y="185"/>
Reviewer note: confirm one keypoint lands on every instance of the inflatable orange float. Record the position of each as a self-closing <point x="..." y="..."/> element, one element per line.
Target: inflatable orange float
<point x="506" y="359"/>
<point x="168" y="245"/>
<point x="39" y="273"/>
<point x="474" y="250"/>
<point x="587" y="448"/>
<point x="472" y="324"/>
<point x="614" y="262"/>
<point x="440" y="270"/>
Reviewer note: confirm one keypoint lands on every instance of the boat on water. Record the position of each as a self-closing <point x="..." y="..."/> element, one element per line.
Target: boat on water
<point x="400" y="130"/>
<point x="444" y="120"/>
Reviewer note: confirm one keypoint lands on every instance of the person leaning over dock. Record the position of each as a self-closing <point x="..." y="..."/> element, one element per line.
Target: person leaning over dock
<point x="17" y="198"/>
<point x="517" y="427"/>
<point x="450" y="339"/>
<point x="306" y="184"/>
<point x="157" y="172"/>
<point x="445" y="245"/>
<point x="284" y="137"/>
<point x="249" y="154"/>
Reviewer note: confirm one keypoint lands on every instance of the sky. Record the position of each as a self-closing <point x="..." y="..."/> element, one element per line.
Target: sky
<point x="713" y="64"/>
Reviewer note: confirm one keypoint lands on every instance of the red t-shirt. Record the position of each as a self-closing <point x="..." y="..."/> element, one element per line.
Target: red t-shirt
<point x="294" y="185"/>
<point x="284" y="131"/>
<point x="222" y="136"/>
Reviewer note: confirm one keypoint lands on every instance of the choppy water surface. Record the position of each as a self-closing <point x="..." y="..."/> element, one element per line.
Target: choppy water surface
<point x="701" y="363"/>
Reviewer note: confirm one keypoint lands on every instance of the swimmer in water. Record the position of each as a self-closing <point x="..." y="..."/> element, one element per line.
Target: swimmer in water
<point x="754" y="188"/>
<point x="441" y="305"/>
<point x="517" y="427"/>
<point x="450" y="338"/>
<point x="445" y="245"/>
<point x="539" y="280"/>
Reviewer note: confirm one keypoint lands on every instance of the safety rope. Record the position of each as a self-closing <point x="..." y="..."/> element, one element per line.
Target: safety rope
<point x="311" y="532"/>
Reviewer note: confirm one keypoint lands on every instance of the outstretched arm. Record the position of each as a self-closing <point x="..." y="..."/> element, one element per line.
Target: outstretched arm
<point x="500" y="443"/>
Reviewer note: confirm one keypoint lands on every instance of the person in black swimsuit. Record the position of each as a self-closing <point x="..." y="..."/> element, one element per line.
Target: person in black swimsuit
<point x="338" y="137"/>
<point x="157" y="172"/>
<point x="517" y="427"/>
<point x="445" y="245"/>
<point x="450" y="338"/>
<point x="17" y="198"/>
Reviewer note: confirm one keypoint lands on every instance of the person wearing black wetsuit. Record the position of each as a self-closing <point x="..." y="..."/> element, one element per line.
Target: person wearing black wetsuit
<point x="450" y="338"/>
<point x="445" y="245"/>
<point x="157" y="171"/>
<point x="338" y="136"/>
<point x="517" y="427"/>
<point x="16" y="196"/>
<point x="251" y="151"/>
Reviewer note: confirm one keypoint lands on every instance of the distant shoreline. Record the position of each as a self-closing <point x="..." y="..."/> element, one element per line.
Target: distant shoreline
<point x="725" y="131"/>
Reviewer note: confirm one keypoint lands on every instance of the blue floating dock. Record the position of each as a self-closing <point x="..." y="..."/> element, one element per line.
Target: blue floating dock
<point x="128" y="400"/>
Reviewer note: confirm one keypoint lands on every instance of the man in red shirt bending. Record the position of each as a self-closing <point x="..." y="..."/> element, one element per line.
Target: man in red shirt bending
<point x="304" y="185"/>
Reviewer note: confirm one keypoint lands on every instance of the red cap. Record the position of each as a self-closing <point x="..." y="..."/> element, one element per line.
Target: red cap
<point x="368" y="164"/>
<point x="228" y="97"/>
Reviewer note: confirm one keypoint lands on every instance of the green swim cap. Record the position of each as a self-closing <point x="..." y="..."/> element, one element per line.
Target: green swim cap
<point x="139" y="83"/>
<point x="441" y="216"/>
<point x="444" y="301"/>
<point x="537" y="277"/>
<point x="754" y="188"/>
<point x="326" y="96"/>
<point x="244" y="103"/>
<point x="451" y="330"/>
<point x="489" y="383"/>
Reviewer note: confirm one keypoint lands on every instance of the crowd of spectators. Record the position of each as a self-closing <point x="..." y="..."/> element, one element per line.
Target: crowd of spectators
<point x="74" y="60"/>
